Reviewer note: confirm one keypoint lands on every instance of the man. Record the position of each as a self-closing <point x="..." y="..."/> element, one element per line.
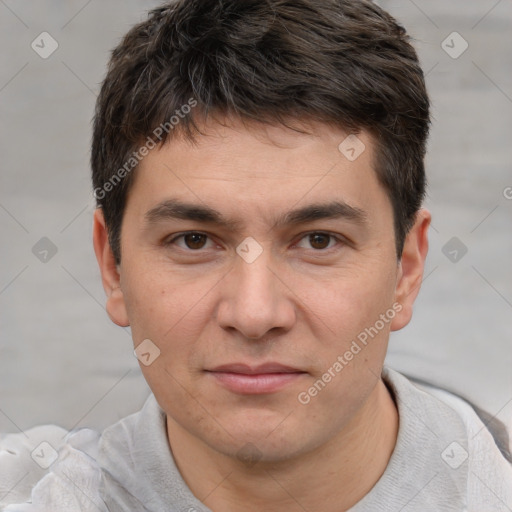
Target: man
<point x="258" y="167"/>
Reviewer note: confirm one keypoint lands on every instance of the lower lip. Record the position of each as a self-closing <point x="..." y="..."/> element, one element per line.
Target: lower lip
<point x="255" y="384"/>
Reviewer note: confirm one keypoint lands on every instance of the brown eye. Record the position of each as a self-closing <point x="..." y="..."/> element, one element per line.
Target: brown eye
<point x="195" y="240"/>
<point x="319" y="240"/>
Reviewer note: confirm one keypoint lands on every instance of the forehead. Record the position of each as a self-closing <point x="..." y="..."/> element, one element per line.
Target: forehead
<point x="246" y="167"/>
<point x="265" y="145"/>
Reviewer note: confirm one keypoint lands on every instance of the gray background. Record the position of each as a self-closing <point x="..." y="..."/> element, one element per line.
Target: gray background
<point x="61" y="359"/>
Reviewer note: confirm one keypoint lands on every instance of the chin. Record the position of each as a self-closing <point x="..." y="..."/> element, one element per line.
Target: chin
<point x="257" y="445"/>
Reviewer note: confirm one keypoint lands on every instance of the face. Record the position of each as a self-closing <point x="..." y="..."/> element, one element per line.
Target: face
<point x="261" y="265"/>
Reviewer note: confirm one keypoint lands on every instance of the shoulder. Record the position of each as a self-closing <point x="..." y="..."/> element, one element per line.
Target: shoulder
<point x="43" y="463"/>
<point x="468" y="448"/>
<point x="489" y="471"/>
<point x="25" y="458"/>
<point x="49" y="468"/>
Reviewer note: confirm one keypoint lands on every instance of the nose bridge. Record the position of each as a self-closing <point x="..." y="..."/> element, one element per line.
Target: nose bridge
<point x="255" y="301"/>
<point x="254" y="281"/>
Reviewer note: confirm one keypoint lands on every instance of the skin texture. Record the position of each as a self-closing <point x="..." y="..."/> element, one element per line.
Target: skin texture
<point x="300" y="303"/>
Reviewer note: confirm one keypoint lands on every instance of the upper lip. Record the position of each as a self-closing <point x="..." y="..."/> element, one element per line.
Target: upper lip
<point x="255" y="370"/>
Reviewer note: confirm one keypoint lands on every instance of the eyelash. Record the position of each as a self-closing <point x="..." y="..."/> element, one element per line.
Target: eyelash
<point x="339" y="240"/>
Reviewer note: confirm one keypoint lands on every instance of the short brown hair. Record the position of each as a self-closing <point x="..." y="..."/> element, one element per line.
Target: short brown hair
<point x="342" y="62"/>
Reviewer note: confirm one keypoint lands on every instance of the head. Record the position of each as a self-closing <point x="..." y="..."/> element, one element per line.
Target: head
<point x="230" y="120"/>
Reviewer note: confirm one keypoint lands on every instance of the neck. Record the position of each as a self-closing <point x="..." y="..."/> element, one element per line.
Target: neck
<point x="333" y="478"/>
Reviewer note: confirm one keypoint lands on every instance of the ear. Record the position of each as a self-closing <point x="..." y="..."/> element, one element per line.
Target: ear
<point x="410" y="270"/>
<point x="110" y="276"/>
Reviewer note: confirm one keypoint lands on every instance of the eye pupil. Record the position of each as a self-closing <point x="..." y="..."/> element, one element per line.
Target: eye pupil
<point x="195" y="240"/>
<point x="319" y="240"/>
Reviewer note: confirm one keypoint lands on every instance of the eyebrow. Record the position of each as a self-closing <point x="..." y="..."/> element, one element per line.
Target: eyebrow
<point x="176" y="209"/>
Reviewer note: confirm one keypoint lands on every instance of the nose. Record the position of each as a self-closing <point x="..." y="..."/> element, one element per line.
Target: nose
<point x="255" y="299"/>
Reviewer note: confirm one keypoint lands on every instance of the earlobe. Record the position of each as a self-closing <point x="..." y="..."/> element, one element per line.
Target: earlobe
<point x="116" y="308"/>
<point x="411" y="267"/>
<point x="110" y="276"/>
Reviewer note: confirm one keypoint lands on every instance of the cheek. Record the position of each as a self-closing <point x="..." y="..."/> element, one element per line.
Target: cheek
<point x="345" y="305"/>
<point x="160" y="301"/>
<point x="172" y="310"/>
<point x="348" y="356"/>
